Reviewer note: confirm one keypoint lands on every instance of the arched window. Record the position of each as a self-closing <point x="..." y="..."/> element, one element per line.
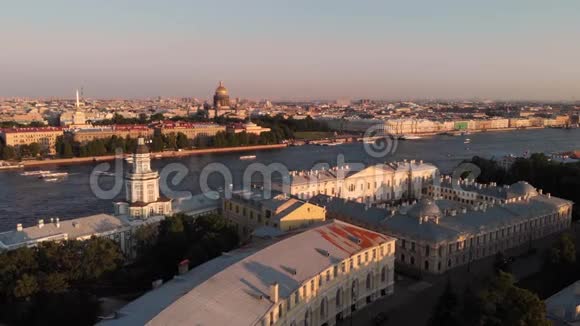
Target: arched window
<point x="307" y="317"/>
<point x="323" y="308"/>
<point x="426" y="265"/>
<point x="412" y="260"/>
<point x="384" y="274"/>
<point x="339" y="297"/>
<point x="354" y="290"/>
<point x="369" y="282"/>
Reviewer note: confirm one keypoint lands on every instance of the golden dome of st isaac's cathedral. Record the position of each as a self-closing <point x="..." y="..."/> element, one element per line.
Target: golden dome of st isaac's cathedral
<point x="221" y="97"/>
<point x="221" y="90"/>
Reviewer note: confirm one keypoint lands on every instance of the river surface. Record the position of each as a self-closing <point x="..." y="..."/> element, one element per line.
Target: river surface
<point x="25" y="199"/>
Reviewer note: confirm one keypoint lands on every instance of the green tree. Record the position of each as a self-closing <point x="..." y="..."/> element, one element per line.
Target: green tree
<point x="34" y="149"/>
<point x="8" y="153"/>
<point x="170" y="141"/>
<point x="157" y="117"/>
<point x="566" y="249"/>
<point x="98" y="256"/>
<point x="507" y="305"/>
<point x="54" y="283"/>
<point x="445" y="311"/>
<point x="26" y="286"/>
<point x="157" y="143"/>
<point x="182" y="141"/>
<point x="67" y="151"/>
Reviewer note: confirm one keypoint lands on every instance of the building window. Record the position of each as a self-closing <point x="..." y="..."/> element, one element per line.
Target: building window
<point x="384" y="274"/>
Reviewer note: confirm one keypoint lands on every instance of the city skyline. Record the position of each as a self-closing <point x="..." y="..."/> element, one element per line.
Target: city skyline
<point x="324" y="50"/>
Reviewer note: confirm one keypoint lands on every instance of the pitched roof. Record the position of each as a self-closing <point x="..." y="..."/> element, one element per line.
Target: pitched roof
<point x="237" y="294"/>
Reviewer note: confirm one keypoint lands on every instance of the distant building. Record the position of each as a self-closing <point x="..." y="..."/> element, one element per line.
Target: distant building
<point x="248" y="211"/>
<point x="249" y="127"/>
<point x="191" y="130"/>
<point x="86" y="135"/>
<point x="100" y="225"/>
<point x="222" y="105"/>
<point x="45" y="137"/>
<point x="375" y="183"/>
<point x="315" y="277"/>
<point x="221" y="98"/>
<point x="142" y="198"/>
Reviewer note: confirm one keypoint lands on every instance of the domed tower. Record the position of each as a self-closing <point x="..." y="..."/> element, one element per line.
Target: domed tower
<point x="142" y="198"/>
<point x="221" y="98"/>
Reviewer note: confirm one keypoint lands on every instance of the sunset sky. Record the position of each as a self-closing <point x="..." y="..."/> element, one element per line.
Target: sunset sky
<point x="292" y="50"/>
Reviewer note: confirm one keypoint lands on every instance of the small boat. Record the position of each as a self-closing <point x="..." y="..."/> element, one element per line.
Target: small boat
<point x="51" y="179"/>
<point x="105" y="173"/>
<point x="47" y="176"/>
<point x="467" y="141"/>
<point x="409" y="137"/>
<point x="34" y="173"/>
<point x="247" y="157"/>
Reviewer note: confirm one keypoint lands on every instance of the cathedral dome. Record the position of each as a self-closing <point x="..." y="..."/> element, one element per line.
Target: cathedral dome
<point x="425" y="208"/>
<point x="522" y="188"/>
<point x="221" y="90"/>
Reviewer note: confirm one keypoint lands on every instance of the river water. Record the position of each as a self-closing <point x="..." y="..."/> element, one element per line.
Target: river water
<point x="27" y="199"/>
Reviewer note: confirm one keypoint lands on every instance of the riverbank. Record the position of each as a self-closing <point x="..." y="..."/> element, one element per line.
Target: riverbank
<point x="166" y="154"/>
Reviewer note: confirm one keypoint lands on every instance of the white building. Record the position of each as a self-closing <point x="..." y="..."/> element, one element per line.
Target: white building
<point x="455" y="224"/>
<point x="375" y="183"/>
<point x="315" y="277"/>
<point x="142" y="189"/>
<point x="563" y="308"/>
<point x="83" y="228"/>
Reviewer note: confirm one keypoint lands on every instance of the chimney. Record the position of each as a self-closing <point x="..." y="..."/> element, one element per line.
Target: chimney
<point x="274" y="292"/>
<point x="40" y="223"/>
<point x="19" y="227"/>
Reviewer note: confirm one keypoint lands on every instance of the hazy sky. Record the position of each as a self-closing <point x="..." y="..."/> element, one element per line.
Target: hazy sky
<point x="311" y="49"/>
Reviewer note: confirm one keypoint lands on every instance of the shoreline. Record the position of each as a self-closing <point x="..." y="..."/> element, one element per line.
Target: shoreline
<point x="154" y="155"/>
<point x="192" y="152"/>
